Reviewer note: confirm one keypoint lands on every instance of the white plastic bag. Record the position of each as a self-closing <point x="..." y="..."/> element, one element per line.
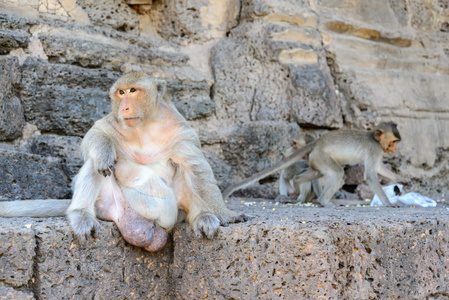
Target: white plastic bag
<point x="406" y="199"/>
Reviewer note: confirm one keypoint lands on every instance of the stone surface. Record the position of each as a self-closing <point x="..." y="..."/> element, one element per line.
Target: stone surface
<point x="29" y="176"/>
<point x="284" y="251"/>
<point x="17" y="252"/>
<point x="247" y="75"/>
<point x="10" y="40"/>
<point x="235" y="65"/>
<point x="11" y="294"/>
<point x="58" y="266"/>
<point x="63" y="98"/>
<point x="294" y="252"/>
<point x="67" y="148"/>
<point x="11" y="111"/>
<point x="114" y="13"/>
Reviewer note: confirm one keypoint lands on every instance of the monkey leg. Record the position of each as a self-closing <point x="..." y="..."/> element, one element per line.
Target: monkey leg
<point x="81" y="212"/>
<point x="333" y="175"/>
<point x="373" y="182"/>
<point x="134" y="228"/>
<point x="305" y="189"/>
<point x="307" y="176"/>
<point x="284" y="189"/>
<point x="284" y="185"/>
<point x="317" y="187"/>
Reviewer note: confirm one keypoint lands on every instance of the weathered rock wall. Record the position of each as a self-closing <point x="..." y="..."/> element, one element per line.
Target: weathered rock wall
<point x="246" y="74"/>
<point x="284" y="252"/>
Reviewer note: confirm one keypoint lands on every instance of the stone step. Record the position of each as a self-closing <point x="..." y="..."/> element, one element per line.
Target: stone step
<point x="284" y="251"/>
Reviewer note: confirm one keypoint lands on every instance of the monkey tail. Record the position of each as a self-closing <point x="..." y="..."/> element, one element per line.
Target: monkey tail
<point x="34" y="208"/>
<point x="298" y="154"/>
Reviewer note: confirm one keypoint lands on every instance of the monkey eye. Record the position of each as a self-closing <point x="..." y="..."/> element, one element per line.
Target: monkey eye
<point x="121" y="92"/>
<point x="132" y="90"/>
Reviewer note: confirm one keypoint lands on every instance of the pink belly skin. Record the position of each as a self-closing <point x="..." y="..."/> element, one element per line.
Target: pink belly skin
<point x="141" y="232"/>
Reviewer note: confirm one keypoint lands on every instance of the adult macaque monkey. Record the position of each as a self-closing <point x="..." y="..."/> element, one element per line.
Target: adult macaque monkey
<point x="335" y="149"/>
<point x="141" y="163"/>
<point x="288" y="184"/>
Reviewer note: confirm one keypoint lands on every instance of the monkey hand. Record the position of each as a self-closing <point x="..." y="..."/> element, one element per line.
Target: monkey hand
<point x="105" y="164"/>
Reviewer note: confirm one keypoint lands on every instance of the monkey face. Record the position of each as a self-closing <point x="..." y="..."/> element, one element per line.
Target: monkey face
<point x="388" y="137"/>
<point x="135" y="97"/>
<point x="131" y="106"/>
<point x="392" y="146"/>
<point x="389" y="143"/>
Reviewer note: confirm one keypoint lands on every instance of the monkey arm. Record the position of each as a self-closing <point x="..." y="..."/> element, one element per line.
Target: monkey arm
<point x="383" y="171"/>
<point x="197" y="191"/>
<point x="372" y="167"/>
<point x="98" y="146"/>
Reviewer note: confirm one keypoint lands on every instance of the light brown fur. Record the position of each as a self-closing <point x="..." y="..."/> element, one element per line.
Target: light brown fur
<point x="335" y="149"/>
<point x="142" y="162"/>
<point x="287" y="184"/>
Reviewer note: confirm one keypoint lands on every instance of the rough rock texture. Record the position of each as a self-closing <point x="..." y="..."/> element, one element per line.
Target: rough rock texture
<point x="11" y="111"/>
<point x="284" y="252"/>
<point x="41" y="257"/>
<point x="247" y="75"/>
<point x="28" y="176"/>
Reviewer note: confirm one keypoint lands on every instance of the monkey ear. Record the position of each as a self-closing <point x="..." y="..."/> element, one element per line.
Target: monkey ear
<point x="378" y="135"/>
<point x="161" y="86"/>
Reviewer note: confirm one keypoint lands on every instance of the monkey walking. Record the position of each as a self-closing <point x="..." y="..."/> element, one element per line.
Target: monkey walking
<point x="335" y="149"/>
<point x="141" y="163"/>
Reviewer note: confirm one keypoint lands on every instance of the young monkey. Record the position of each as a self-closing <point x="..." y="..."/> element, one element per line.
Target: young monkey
<point x="335" y="149"/>
<point x="287" y="183"/>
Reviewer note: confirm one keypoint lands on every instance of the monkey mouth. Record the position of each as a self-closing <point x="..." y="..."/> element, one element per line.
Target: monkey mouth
<point x="135" y="118"/>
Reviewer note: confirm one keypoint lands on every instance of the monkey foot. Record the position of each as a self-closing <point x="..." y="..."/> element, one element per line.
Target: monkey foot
<point x="141" y="232"/>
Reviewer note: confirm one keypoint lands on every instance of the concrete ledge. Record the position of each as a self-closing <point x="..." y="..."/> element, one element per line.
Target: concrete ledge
<point x="285" y="251"/>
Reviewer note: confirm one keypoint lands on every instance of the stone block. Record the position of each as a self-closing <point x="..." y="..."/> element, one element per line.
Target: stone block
<point x="197" y="20"/>
<point x="255" y="146"/>
<point x="28" y="176"/>
<point x="62" y="98"/>
<point x="106" y="267"/>
<point x="111" y="13"/>
<point x="12" y="117"/>
<point x="90" y="53"/>
<point x="17" y="253"/>
<point x="285" y="87"/>
<point x="297" y="252"/>
<point x="10" y="40"/>
<point x="67" y="148"/>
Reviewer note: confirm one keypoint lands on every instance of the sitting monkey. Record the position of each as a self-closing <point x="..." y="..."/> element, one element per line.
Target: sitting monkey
<point x="141" y="163"/>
